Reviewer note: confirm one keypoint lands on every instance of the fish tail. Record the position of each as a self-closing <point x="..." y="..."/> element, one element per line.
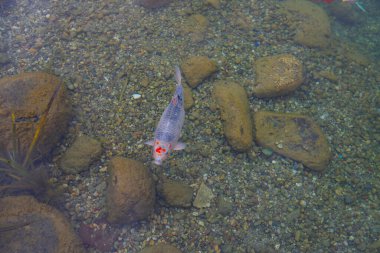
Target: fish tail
<point x="178" y="77"/>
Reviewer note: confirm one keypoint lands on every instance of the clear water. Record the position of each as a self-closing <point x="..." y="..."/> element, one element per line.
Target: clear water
<point x="109" y="51"/>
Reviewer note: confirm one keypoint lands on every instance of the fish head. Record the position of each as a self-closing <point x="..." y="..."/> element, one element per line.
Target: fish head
<point x="161" y="151"/>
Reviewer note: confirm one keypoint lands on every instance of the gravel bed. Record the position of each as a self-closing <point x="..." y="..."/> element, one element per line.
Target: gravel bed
<point x="108" y="50"/>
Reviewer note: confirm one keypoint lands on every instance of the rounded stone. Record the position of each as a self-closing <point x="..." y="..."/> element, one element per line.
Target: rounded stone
<point x="131" y="192"/>
<point x="277" y="75"/>
<point x="27" y="96"/>
<point x="197" y="68"/>
<point x="35" y="227"/>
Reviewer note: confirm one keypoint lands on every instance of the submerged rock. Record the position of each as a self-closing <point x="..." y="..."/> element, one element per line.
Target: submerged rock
<point x="233" y="104"/>
<point x="176" y="193"/>
<point x="131" y="192"/>
<point x="295" y="136"/>
<point x="277" y="75"/>
<point x="161" y="248"/>
<point x="27" y="96"/>
<point x="311" y="21"/>
<point x="80" y="155"/>
<point x="35" y="227"/>
<point x="152" y="4"/>
<point x="197" y="68"/>
<point x="204" y="197"/>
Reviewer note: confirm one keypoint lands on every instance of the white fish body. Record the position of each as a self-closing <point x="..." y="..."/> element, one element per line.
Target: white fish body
<point x="169" y="127"/>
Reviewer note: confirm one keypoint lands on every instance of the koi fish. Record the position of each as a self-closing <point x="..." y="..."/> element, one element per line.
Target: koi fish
<point x="169" y="127"/>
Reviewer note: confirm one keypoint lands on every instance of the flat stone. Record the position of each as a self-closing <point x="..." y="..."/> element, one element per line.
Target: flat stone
<point x="293" y="135"/>
<point x="204" y="197"/>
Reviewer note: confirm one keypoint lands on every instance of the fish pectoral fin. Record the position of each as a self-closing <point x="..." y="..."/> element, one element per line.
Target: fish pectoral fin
<point x="150" y="143"/>
<point x="179" y="146"/>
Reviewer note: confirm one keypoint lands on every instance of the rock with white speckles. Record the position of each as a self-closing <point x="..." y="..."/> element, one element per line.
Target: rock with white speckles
<point x="277" y="75"/>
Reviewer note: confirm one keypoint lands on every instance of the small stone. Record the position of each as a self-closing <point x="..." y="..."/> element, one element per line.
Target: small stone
<point x="277" y="75"/>
<point x="80" y="155"/>
<point x="176" y="193"/>
<point x="197" y="68"/>
<point x="267" y="152"/>
<point x="214" y="3"/>
<point x="204" y="197"/>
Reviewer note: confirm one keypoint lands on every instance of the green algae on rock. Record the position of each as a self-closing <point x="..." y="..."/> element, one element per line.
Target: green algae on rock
<point x="234" y="108"/>
<point x="277" y="75"/>
<point x="131" y="192"/>
<point x="293" y="135"/>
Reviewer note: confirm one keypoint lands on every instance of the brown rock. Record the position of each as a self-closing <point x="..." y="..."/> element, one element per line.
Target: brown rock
<point x="27" y="96"/>
<point x="295" y="136"/>
<point x="35" y="227"/>
<point x="80" y="155"/>
<point x="188" y="97"/>
<point x="214" y="3"/>
<point x="176" y="193"/>
<point x="152" y="4"/>
<point x="161" y="248"/>
<point x="277" y="75"/>
<point x="311" y="22"/>
<point x="195" y="27"/>
<point x="233" y="104"/>
<point x="197" y="68"/>
<point x="345" y="12"/>
<point x="131" y="192"/>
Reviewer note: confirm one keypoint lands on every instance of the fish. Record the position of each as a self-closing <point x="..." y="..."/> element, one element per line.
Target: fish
<point x="169" y="127"/>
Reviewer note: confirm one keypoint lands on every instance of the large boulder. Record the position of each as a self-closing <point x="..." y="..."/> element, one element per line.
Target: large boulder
<point x="27" y="96"/>
<point x="131" y="192"/>
<point x="295" y="136"/>
<point x="277" y="75"/>
<point x="30" y="226"/>
<point x="234" y="108"/>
